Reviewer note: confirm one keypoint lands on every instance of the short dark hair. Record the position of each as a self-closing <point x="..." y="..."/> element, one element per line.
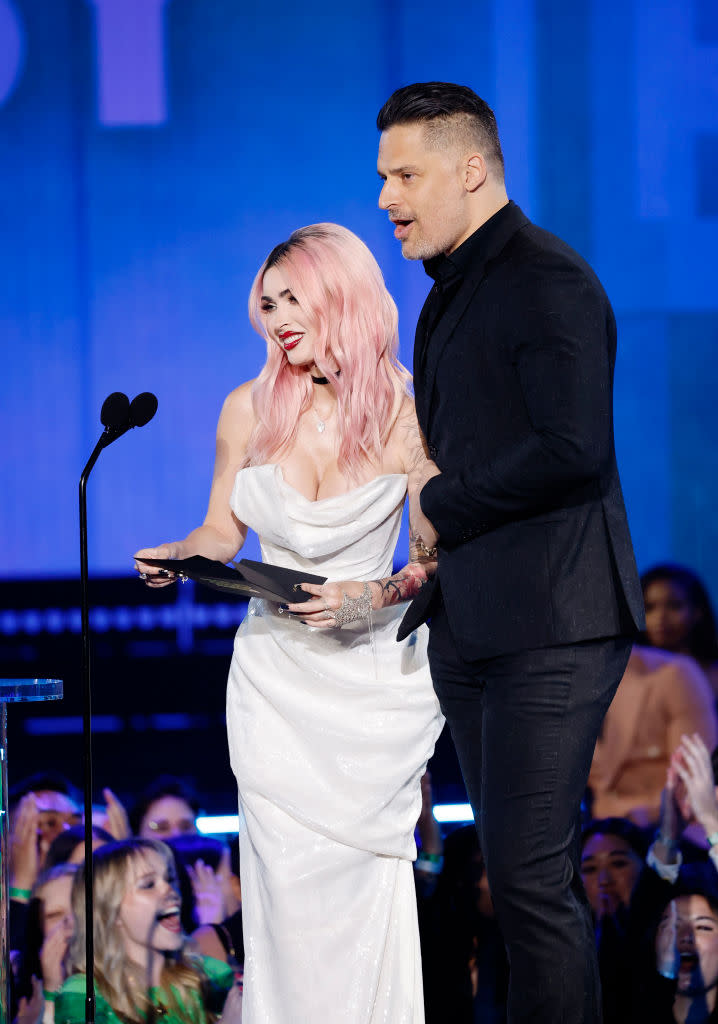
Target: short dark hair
<point x="447" y="110"/>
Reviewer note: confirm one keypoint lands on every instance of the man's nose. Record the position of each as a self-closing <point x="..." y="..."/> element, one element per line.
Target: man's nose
<point x="386" y="196"/>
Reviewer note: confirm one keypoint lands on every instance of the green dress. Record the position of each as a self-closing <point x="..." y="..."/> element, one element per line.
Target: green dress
<point x="70" y="1003"/>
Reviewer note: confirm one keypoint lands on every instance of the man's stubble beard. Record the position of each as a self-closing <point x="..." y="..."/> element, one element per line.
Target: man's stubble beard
<point x="427" y="249"/>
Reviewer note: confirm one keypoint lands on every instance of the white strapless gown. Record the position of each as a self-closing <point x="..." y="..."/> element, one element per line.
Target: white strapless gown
<point x="329" y="735"/>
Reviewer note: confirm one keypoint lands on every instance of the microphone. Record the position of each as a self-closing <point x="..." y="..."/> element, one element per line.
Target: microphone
<point x="119" y="415"/>
<point x="115" y="409"/>
<point x="142" y="409"/>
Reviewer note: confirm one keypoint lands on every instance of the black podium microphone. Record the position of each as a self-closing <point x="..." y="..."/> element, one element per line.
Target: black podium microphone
<point x="115" y="409"/>
<point x="118" y="415"/>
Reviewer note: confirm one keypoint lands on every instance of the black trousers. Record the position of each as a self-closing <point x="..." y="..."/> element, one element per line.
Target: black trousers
<point x="524" y="727"/>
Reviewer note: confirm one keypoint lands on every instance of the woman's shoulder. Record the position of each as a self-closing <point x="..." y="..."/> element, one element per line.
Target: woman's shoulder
<point x="240" y="398"/>
<point x="237" y="417"/>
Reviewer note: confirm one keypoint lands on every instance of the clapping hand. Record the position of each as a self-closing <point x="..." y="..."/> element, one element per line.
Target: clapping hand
<point x="692" y="764"/>
<point x="208" y="895"/>
<point x="24" y="849"/>
<point x="116" y="820"/>
<point x="53" y="953"/>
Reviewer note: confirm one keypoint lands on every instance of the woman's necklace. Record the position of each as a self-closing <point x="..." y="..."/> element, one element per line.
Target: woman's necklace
<point x="321" y="423"/>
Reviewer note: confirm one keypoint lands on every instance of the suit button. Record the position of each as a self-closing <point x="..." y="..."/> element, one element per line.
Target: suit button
<point x="433" y="451"/>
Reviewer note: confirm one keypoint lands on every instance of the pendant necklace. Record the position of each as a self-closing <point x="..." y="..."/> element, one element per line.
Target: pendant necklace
<point x="321" y="424"/>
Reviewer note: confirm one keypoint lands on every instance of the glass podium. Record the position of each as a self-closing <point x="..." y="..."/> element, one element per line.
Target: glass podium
<point x="13" y="691"/>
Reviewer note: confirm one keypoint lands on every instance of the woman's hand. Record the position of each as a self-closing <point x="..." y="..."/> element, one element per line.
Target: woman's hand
<point x="328" y="598"/>
<point x="53" y="953"/>
<point x="208" y="895"/>
<point x="152" y="574"/>
<point x="24" y="850"/>
<point x="695" y="770"/>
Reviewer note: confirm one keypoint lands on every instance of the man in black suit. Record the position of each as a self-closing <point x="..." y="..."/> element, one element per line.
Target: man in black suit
<point x="536" y="596"/>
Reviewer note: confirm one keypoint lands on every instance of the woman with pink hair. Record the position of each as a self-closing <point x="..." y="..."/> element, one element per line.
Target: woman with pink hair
<point x="331" y="721"/>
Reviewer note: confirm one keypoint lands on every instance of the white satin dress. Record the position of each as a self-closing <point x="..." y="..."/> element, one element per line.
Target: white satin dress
<point x="329" y="735"/>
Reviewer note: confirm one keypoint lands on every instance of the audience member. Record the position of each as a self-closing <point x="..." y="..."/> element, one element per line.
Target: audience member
<point x="661" y="697"/>
<point x="613" y="852"/>
<point x="622" y="894"/>
<point x="683" y="983"/>
<point x="141" y="966"/>
<point x="50" y="926"/>
<point x="680" y="616"/>
<point x="69" y="846"/>
<point x="211" y="892"/>
<point x="167" y="808"/>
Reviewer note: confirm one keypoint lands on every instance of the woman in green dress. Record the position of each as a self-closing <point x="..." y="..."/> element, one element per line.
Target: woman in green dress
<point x="142" y="970"/>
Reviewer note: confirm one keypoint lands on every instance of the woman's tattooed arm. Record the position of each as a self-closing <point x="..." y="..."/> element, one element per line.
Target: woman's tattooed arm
<point x="403" y="585"/>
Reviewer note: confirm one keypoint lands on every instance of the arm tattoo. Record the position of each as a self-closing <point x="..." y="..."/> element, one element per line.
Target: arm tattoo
<point x="418" y="551"/>
<point x="406" y="584"/>
<point x="415" y="446"/>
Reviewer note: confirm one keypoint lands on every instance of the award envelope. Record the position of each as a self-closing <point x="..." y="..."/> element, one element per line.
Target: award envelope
<point x="249" y="578"/>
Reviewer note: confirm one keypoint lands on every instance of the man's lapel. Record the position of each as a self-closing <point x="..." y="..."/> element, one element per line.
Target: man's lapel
<point x="428" y="353"/>
<point x="442" y="332"/>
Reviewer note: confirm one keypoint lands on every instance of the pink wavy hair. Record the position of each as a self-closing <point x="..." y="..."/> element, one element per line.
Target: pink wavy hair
<point x="341" y="291"/>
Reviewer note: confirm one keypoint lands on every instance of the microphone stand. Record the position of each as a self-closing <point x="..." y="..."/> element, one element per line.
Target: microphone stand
<point x="118" y="418"/>
<point x="87" y="740"/>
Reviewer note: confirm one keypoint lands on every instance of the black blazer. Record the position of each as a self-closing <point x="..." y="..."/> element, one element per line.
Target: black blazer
<point x="514" y="394"/>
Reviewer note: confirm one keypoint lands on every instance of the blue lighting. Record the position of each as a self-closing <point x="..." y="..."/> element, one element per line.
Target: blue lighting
<point x="453" y="813"/>
<point x="228" y="824"/>
<point x="218" y="824"/>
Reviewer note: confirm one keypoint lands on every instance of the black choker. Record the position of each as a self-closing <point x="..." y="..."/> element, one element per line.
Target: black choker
<point x="322" y="380"/>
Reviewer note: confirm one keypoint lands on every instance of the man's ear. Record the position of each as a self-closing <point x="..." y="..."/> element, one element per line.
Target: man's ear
<point x="476" y="172"/>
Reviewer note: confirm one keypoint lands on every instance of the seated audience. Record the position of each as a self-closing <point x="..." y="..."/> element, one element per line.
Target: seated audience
<point x="167" y="808"/>
<point x="622" y="894"/>
<point x="69" y="846"/>
<point x="141" y="967"/>
<point x="613" y="852"/>
<point x="681" y="988"/>
<point x="211" y="898"/>
<point x="50" y="926"/>
<point x="660" y="698"/>
<point x="680" y="617"/>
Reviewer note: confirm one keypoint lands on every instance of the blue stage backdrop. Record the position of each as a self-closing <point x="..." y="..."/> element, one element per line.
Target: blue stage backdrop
<point x="153" y="151"/>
